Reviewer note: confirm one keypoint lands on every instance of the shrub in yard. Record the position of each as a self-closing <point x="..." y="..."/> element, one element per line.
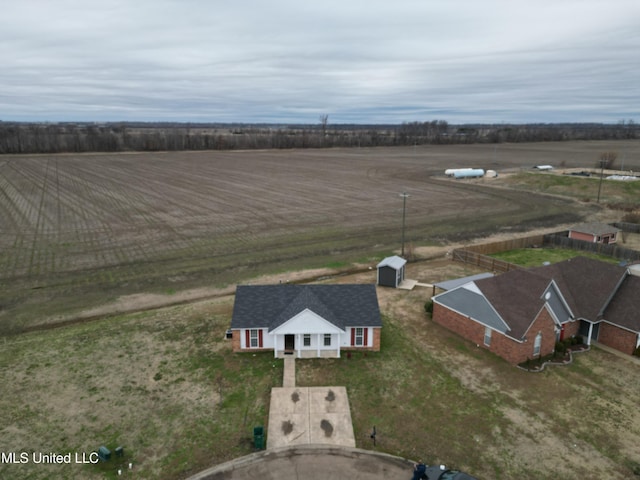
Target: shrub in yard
<point x="428" y="307"/>
<point x="579" y="339"/>
<point x="636" y="352"/>
<point x="561" y="347"/>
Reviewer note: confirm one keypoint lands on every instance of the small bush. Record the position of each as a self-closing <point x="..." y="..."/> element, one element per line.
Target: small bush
<point x="636" y="352"/>
<point x="561" y="347"/>
<point x="428" y="307"/>
<point x="579" y="339"/>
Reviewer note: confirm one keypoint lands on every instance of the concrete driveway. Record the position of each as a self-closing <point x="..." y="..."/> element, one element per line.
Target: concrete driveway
<point x="312" y="462"/>
<point x="304" y="415"/>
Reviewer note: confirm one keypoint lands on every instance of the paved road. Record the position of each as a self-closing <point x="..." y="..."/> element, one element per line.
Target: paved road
<point x="312" y="462"/>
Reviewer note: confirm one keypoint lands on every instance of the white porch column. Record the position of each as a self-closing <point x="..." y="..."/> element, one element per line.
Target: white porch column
<point x="318" y="346"/>
<point x="299" y="343"/>
<point x="275" y="346"/>
<point x="338" y="345"/>
<point x="590" y="332"/>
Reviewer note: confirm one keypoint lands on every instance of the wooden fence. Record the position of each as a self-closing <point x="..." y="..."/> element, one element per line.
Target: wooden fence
<point x="479" y="254"/>
<point x="627" y="227"/>
<point x="484" y="261"/>
<point x="503" y="246"/>
<point x="612" y="250"/>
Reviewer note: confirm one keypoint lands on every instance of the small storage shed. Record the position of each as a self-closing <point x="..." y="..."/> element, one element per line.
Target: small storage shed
<point x="391" y="271"/>
<point x="595" y="233"/>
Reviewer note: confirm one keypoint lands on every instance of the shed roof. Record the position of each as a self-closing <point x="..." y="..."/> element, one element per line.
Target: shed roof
<point x="269" y="306"/>
<point x="595" y="228"/>
<point x="394" y="262"/>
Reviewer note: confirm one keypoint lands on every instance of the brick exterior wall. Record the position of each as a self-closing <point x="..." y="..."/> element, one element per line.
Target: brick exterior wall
<point x="582" y="236"/>
<point x="375" y="345"/>
<point x="617" y="338"/>
<point x="571" y="329"/>
<point x="235" y="340"/>
<point x="512" y="351"/>
<point x="376" y="339"/>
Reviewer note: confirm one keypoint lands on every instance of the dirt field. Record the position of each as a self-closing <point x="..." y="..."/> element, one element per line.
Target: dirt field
<point x="82" y="230"/>
<point x="96" y="234"/>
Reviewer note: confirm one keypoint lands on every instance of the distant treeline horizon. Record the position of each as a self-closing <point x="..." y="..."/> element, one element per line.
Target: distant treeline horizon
<point x="80" y="137"/>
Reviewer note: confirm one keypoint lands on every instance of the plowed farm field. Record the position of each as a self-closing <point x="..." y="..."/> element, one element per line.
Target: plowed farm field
<point x="80" y="230"/>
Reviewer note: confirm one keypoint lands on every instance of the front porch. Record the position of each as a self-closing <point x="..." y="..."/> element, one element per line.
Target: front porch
<point x="307" y="353"/>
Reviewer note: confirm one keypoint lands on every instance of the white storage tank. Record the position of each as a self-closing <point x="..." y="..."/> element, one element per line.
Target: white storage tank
<point x="449" y="172"/>
<point x="471" y="173"/>
<point x="491" y="174"/>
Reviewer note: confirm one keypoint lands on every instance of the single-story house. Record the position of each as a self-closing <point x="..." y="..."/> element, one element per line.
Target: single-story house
<point x="306" y="320"/>
<point x="522" y="313"/>
<point x="595" y="232"/>
<point x="391" y="271"/>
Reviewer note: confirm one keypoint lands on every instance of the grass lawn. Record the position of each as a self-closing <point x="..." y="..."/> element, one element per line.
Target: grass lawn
<point x="166" y="386"/>
<point x="535" y="257"/>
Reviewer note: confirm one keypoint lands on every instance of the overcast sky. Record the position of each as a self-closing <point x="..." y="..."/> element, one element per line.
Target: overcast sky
<point x="357" y="61"/>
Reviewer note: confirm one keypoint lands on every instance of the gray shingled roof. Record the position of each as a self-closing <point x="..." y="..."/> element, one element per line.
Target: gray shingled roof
<point x="474" y="305"/>
<point x="595" y="228"/>
<point x="269" y="306"/>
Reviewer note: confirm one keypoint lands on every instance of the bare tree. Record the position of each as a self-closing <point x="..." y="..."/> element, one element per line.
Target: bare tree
<point x="324" y="119"/>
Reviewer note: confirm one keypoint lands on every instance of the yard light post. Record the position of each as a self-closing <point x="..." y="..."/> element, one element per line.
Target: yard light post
<point x="404" y="196"/>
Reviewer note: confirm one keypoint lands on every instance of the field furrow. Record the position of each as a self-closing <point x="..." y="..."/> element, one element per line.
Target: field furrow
<point x="129" y="222"/>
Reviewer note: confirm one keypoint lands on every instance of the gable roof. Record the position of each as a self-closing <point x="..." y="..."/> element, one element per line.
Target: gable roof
<point x="517" y="297"/>
<point x="589" y="287"/>
<point x="586" y="284"/>
<point x="268" y="306"/>
<point x="624" y="307"/>
<point x="469" y="301"/>
<point x="594" y="228"/>
<point x="394" y="262"/>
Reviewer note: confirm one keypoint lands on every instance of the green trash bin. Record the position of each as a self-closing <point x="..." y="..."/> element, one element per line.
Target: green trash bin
<point x="104" y="454"/>
<point x="258" y="437"/>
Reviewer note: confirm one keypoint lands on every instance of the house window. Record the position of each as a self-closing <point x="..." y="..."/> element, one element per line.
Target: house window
<point x="327" y="339"/>
<point x="253" y="339"/>
<point x="306" y="340"/>
<point x="536" y="345"/>
<point x="359" y="338"/>
<point x="487" y="337"/>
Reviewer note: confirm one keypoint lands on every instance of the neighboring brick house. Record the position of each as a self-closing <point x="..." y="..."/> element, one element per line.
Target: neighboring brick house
<point x="595" y="233"/>
<point x="522" y="313"/>
<point x="306" y="320"/>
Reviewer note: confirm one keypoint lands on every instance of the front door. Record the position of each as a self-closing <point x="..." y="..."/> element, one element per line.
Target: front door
<point x="289" y="342"/>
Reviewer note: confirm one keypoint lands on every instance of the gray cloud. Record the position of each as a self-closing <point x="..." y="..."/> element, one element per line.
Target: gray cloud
<point x="288" y="61"/>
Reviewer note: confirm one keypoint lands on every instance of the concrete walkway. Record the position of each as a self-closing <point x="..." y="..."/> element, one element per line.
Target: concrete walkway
<point x="289" y="379"/>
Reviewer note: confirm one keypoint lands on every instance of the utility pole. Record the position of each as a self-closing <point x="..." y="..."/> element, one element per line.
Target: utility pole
<point x="602" y="162"/>
<point x="404" y="196"/>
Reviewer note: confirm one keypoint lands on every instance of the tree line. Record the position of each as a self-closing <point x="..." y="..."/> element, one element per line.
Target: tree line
<point x="18" y="137"/>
